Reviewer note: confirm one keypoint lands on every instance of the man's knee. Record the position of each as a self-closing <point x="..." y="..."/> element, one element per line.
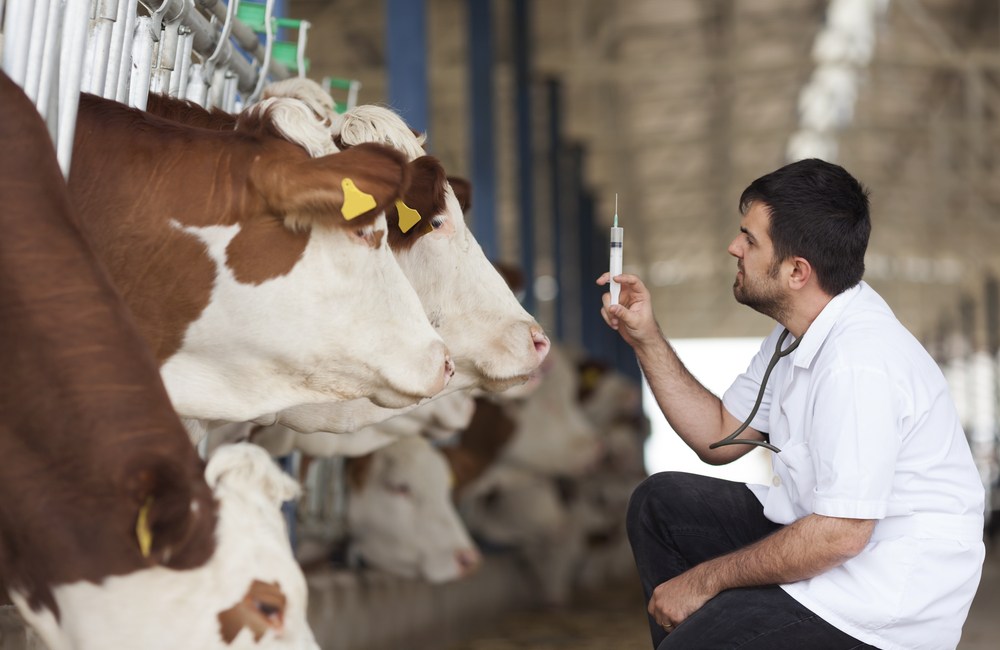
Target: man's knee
<point x="651" y="496"/>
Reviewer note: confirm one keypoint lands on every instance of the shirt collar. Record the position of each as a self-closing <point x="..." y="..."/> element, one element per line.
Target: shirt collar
<point x="820" y="328"/>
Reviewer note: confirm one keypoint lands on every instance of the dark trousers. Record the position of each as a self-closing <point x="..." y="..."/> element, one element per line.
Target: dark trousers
<point x="678" y="520"/>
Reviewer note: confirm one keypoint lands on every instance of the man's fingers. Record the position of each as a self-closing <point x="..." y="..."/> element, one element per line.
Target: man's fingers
<point x="603" y="280"/>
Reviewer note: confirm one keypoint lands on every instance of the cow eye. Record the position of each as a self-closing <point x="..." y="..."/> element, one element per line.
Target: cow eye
<point x="438" y="221"/>
<point x="269" y="611"/>
<point x="401" y="489"/>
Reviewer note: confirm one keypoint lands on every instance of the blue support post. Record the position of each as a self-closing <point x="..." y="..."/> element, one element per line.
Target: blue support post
<point x="521" y="32"/>
<point x="553" y="101"/>
<point x="483" y="150"/>
<point x="406" y="54"/>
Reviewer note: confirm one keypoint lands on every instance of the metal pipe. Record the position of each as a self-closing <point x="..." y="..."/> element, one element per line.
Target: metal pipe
<point x="124" y="75"/>
<point x="74" y="44"/>
<point x="142" y="58"/>
<point x="99" y="46"/>
<point x="197" y="89"/>
<point x="115" y="50"/>
<point x="47" y="100"/>
<point x="482" y="126"/>
<point x="17" y="39"/>
<point x="36" y="48"/>
<point x="247" y="39"/>
<point x="182" y="65"/>
<point x="165" y="59"/>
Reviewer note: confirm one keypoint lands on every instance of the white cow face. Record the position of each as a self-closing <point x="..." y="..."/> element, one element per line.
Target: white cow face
<point x="495" y="343"/>
<point x="250" y="595"/>
<point x="344" y="323"/>
<point x="401" y="518"/>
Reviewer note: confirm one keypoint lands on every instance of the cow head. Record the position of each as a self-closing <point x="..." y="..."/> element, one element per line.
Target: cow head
<point x="494" y="342"/>
<point x="250" y="594"/>
<point x="260" y="276"/>
<point x="401" y="517"/>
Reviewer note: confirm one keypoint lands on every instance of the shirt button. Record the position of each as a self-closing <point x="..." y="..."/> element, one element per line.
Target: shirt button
<point x="776" y="481"/>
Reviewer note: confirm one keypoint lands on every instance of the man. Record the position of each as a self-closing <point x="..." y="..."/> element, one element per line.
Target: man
<point x="870" y="534"/>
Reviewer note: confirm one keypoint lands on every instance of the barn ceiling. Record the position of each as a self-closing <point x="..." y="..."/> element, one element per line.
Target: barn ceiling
<point x="679" y="104"/>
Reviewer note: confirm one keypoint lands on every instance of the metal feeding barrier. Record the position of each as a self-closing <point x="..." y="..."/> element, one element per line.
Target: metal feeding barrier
<point x="199" y="50"/>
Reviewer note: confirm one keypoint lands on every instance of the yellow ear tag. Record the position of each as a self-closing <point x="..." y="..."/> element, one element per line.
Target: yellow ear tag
<point x="356" y="202"/>
<point x="408" y="217"/>
<point x="142" y="531"/>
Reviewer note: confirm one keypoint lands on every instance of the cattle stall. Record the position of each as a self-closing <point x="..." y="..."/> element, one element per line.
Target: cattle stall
<point x="203" y="52"/>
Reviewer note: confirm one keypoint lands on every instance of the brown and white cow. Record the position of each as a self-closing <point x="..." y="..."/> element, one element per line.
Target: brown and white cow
<point x="400" y="514"/>
<point x="258" y="275"/>
<point x="113" y="533"/>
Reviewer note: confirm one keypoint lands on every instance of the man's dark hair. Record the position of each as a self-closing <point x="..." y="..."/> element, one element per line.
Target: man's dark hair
<point x="819" y="212"/>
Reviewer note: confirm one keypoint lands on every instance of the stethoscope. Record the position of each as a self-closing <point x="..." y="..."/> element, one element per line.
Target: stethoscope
<point x="731" y="438"/>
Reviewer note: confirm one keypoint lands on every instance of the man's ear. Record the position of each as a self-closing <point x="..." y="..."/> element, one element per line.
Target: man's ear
<point x="801" y="272"/>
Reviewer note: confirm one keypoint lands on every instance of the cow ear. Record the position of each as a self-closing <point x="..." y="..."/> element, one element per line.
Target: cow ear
<point x="173" y="517"/>
<point x="346" y="189"/>
<point x="463" y="191"/>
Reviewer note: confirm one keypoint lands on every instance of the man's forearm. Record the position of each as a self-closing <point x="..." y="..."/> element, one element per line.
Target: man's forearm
<point x="799" y="551"/>
<point x="691" y="409"/>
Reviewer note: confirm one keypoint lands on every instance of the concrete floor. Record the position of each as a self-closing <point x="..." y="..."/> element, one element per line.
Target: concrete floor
<point x="613" y="619"/>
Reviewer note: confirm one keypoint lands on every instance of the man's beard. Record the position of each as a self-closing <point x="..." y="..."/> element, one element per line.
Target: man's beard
<point x="761" y="295"/>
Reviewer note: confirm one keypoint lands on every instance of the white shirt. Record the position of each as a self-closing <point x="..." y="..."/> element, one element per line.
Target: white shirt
<point x="867" y="430"/>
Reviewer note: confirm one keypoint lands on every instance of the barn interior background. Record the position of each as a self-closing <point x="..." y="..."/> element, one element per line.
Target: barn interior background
<point x="552" y="107"/>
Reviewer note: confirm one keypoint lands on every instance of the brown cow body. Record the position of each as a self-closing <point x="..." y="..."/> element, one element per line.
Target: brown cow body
<point x="104" y="498"/>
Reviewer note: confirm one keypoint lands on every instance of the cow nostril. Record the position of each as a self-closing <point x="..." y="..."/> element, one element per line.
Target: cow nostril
<point x="468" y="559"/>
<point x="449" y="366"/>
<point x="541" y="342"/>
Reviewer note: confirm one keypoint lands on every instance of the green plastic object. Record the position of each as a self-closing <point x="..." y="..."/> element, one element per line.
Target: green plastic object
<point x="287" y="53"/>
<point x="252" y="14"/>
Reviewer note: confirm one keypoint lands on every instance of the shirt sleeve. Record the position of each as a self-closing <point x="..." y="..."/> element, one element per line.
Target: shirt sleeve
<point x="740" y="397"/>
<point x="854" y="442"/>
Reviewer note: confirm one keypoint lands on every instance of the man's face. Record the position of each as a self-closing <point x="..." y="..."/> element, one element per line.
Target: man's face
<point x="757" y="283"/>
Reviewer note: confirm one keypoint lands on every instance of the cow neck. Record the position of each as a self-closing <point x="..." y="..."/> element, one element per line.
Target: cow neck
<point x="87" y="433"/>
<point x="171" y="178"/>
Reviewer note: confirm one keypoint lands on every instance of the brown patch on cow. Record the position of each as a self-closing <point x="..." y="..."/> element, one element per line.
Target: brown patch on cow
<point x="87" y="433"/>
<point x="169" y="175"/>
<point x="264" y="250"/>
<point x="262" y="608"/>
<point x="426" y="195"/>
<point x="358" y="468"/>
<point x="189" y="113"/>
<point x="463" y="192"/>
<point x="479" y="445"/>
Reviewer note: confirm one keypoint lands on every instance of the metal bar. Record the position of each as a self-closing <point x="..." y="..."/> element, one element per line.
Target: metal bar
<point x="99" y="46"/>
<point x="17" y="39"/>
<point x="36" y="47"/>
<point x="124" y="76"/>
<point x="47" y="100"/>
<point x="520" y="31"/>
<point x="553" y="106"/>
<point x="481" y="122"/>
<point x="166" y="58"/>
<point x="74" y="44"/>
<point x="182" y="64"/>
<point x="142" y="59"/>
<point x="248" y="39"/>
<point x="406" y="60"/>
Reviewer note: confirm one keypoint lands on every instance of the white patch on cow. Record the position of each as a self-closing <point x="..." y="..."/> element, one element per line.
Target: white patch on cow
<point x="439" y="419"/>
<point x="161" y="609"/>
<point x="402" y="519"/>
<point x="344" y="323"/>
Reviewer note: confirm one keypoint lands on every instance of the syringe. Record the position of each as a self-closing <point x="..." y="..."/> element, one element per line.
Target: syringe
<point x="616" y="255"/>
